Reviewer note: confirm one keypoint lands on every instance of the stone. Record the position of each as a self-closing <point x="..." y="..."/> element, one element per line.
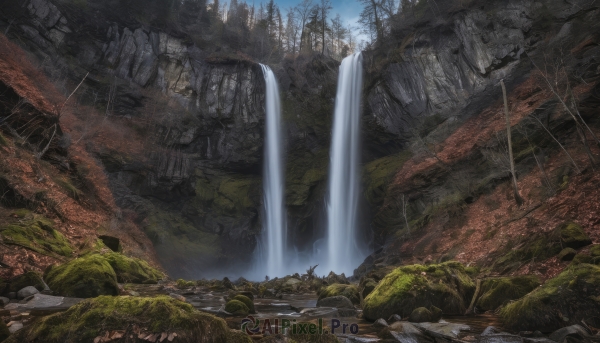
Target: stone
<point x="420" y="315"/>
<point x="394" y="318"/>
<point x="14" y="326"/>
<point x="502" y="337"/>
<point x="567" y="254"/>
<point x="27" y="292"/>
<point x="347" y="312"/>
<point x="448" y="331"/>
<point x="380" y="323"/>
<point x="490" y="330"/>
<point x="11" y="295"/>
<point x="436" y="314"/>
<point x="42" y="301"/>
<point x="573" y="236"/>
<point x="576" y="331"/>
<point x="339" y="301"/>
<point x="4" y="301"/>
<point x="320" y="312"/>
<point x="113" y="243"/>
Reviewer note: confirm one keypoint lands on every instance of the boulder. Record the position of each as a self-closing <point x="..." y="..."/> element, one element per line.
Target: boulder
<point x="27" y="292"/>
<point x="3" y="302"/>
<point x="567" y="254"/>
<point x="496" y="292"/>
<point x="436" y="313"/>
<point x="237" y="308"/>
<point x="573" y="236"/>
<point x="380" y="323"/>
<point x="447" y="331"/>
<point x="85" y="277"/>
<point x="150" y="316"/>
<point x="348" y="291"/>
<point x="113" y="243"/>
<point x="367" y="286"/>
<point x="568" y="298"/>
<point x="420" y="315"/>
<point x="446" y="286"/>
<point x="132" y="270"/>
<point x="247" y="301"/>
<point x="320" y="312"/>
<point x="394" y="318"/>
<point x="574" y="331"/>
<point x="177" y="296"/>
<point x="28" y="279"/>
<point x="339" y="301"/>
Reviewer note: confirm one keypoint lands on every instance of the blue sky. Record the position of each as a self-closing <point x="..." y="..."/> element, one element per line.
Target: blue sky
<point x="349" y="10"/>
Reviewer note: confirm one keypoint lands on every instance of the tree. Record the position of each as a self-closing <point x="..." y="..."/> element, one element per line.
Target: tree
<point x="518" y="197"/>
<point x="291" y="31"/>
<point x="303" y="9"/>
<point x="324" y="9"/>
<point x="370" y="19"/>
<point x="338" y="33"/>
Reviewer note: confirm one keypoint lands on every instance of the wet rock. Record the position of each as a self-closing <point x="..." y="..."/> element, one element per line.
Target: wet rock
<point x="575" y="331"/>
<point x="43" y="301"/>
<point x="502" y="337"/>
<point x="15" y="326"/>
<point x="333" y="278"/>
<point x="27" y="292"/>
<point x="394" y="318"/>
<point x="4" y="301"/>
<point x="436" y="313"/>
<point x="490" y="330"/>
<point x="380" y="323"/>
<point x="113" y="243"/>
<point x="448" y="331"/>
<point x="358" y="339"/>
<point x="347" y="312"/>
<point x="320" y="312"/>
<point x="367" y="286"/>
<point x="348" y="291"/>
<point x="339" y="301"/>
<point x="498" y="291"/>
<point x="567" y="254"/>
<point x="420" y="315"/>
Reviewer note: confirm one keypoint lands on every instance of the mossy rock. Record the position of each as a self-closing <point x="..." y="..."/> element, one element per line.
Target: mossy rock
<point x="237" y="307"/>
<point x="572" y="296"/>
<point x="132" y="270"/>
<point x="28" y="279"/>
<point x="367" y="286"/>
<point x="436" y="313"/>
<point x="37" y="233"/>
<point x="539" y="247"/>
<point x="181" y="284"/>
<point x="94" y="317"/>
<point x="445" y="285"/>
<point x="85" y="277"/>
<point x="349" y="291"/>
<point x="584" y="258"/>
<point x="496" y="292"/>
<point x="420" y="315"/>
<point x="573" y="236"/>
<point x="247" y="301"/>
<point x="567" y="254"/>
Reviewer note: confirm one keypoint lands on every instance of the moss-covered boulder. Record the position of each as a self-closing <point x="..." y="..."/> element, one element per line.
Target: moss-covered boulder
<point x="36" y="233"/>
<point x="564" y="300"/>
<point x="573" y="236"/>
<point x="237" y="308"/>
<point x="567" y="254"/>
<point x="182" y="284"/>
<point x="496" y="292"/>
<point x="129" y="316"/>
<point x="85" y="277"/>
<point x="420" y="315"/>
<point x="28" y="279"/>
<point x="247" y="301"/>
<point x="132" y="270"/>
<point x="367" y="286"/>
<point x="349" y="291"/>
<point x="445" y="285"/>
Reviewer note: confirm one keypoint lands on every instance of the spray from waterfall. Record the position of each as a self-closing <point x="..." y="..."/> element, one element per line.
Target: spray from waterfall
<point x="345" y="250"/>
<point x="271" y="250"/>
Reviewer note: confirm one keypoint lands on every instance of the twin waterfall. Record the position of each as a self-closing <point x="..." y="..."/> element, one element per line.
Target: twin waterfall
<point x="274" y="222"/>
<point x="343" y="250"/>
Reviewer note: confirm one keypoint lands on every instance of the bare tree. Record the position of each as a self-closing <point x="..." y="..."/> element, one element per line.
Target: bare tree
<point x="303" y="9"/>
<point x="518" y="197"/>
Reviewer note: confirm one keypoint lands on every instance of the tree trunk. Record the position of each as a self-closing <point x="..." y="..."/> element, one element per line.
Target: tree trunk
<point x="518" y="198"/>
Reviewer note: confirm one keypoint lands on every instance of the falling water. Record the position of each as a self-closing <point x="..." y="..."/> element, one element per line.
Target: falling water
<point x="345" y="252"/>
<point x="274" y="222"/>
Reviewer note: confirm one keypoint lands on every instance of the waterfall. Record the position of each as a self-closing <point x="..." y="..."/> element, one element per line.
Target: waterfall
<point x="274" y="221"/>
<point x="345" y="251"/>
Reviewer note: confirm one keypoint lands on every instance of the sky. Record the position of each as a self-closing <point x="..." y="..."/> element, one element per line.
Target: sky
<point x="349" y="10"/>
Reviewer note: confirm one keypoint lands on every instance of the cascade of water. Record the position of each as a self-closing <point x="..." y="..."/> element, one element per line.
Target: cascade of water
<point x="345" y="251"/>
<point x="274" y="222"/>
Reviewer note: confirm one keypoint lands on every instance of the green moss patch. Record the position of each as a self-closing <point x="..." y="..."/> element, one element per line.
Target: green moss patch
<point x="379" y="173"/>
<point x="85" y="277"/>
<point x="446" y="286"/>
<point x="496" y="292"/>
<point x="565" y="300"/>
<point x="247" y="301"/>
<point x="132" y="270"/>
<point x="573" y="236"/>
<point x="540" y="248"/>
<point x="36" y="233"/>
<point x="349" y="291"/>
<point x="181" y="284"/>
<point x="132" y="316"/>
<point x="237" y="307"/>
